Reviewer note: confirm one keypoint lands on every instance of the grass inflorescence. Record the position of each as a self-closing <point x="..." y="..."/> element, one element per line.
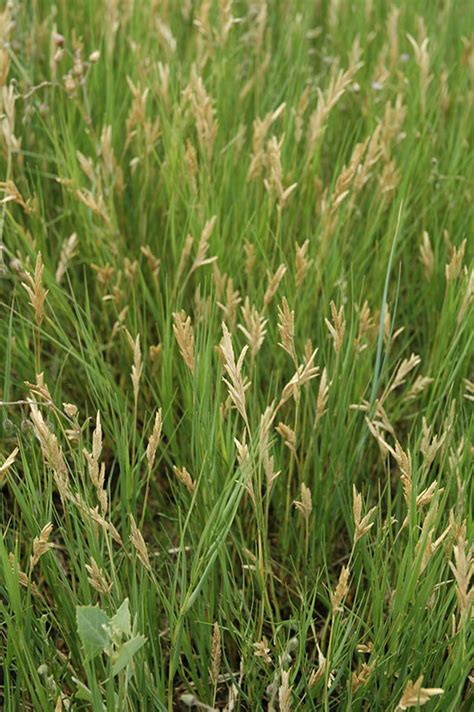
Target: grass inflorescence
<point x="236" y="355"/>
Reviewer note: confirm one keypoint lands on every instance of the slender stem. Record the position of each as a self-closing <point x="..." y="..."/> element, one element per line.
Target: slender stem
<point x="289" y="483"/>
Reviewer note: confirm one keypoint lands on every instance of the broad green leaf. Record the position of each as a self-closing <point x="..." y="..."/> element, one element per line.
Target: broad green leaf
<point x="126" y="653"/>
<point x="90" y="622"/>
<point x="121" y="620"/>
<point x="83" y="692"/>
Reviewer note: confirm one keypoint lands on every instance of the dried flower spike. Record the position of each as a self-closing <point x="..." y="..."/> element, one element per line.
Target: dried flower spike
<point x="97" y="578"/>
<point x="273" y="284"/>
<point x="286" y="328"/>
<point x="254" y="329"/>
<point x="284" y="692"/>
<point x="67" y="253"/>
<point x="341" y="590"/>
<point x="7" y="464"/>
<point x="288" y="435"/>
<point x="262" y="650"/>
<point x="41" y="544"/>
<point x="362" y="524"/>
<point x="185" y="478"/>
<point x="137" y="368"/>
<point x="203" y="246"/>
<point x="305" y="505"/>
<point x="323" y="395"/>
<point x="463" y="570"/>
<point x="183" y="331"/>
<point x="236" y="382"/>
<point x="415" y="695"/>
<point x="215" y="653"/>
<point x="35" y="290"/>
<point x="139" y="544"/>
<point x="337" y="327"/>
<point x="154" y="440"/>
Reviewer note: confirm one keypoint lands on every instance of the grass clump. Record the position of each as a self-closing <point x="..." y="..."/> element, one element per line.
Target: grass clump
<point x="236" y="346"/>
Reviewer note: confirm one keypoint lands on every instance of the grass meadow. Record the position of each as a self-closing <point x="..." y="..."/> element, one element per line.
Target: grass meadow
<point x="236" y="350"/>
